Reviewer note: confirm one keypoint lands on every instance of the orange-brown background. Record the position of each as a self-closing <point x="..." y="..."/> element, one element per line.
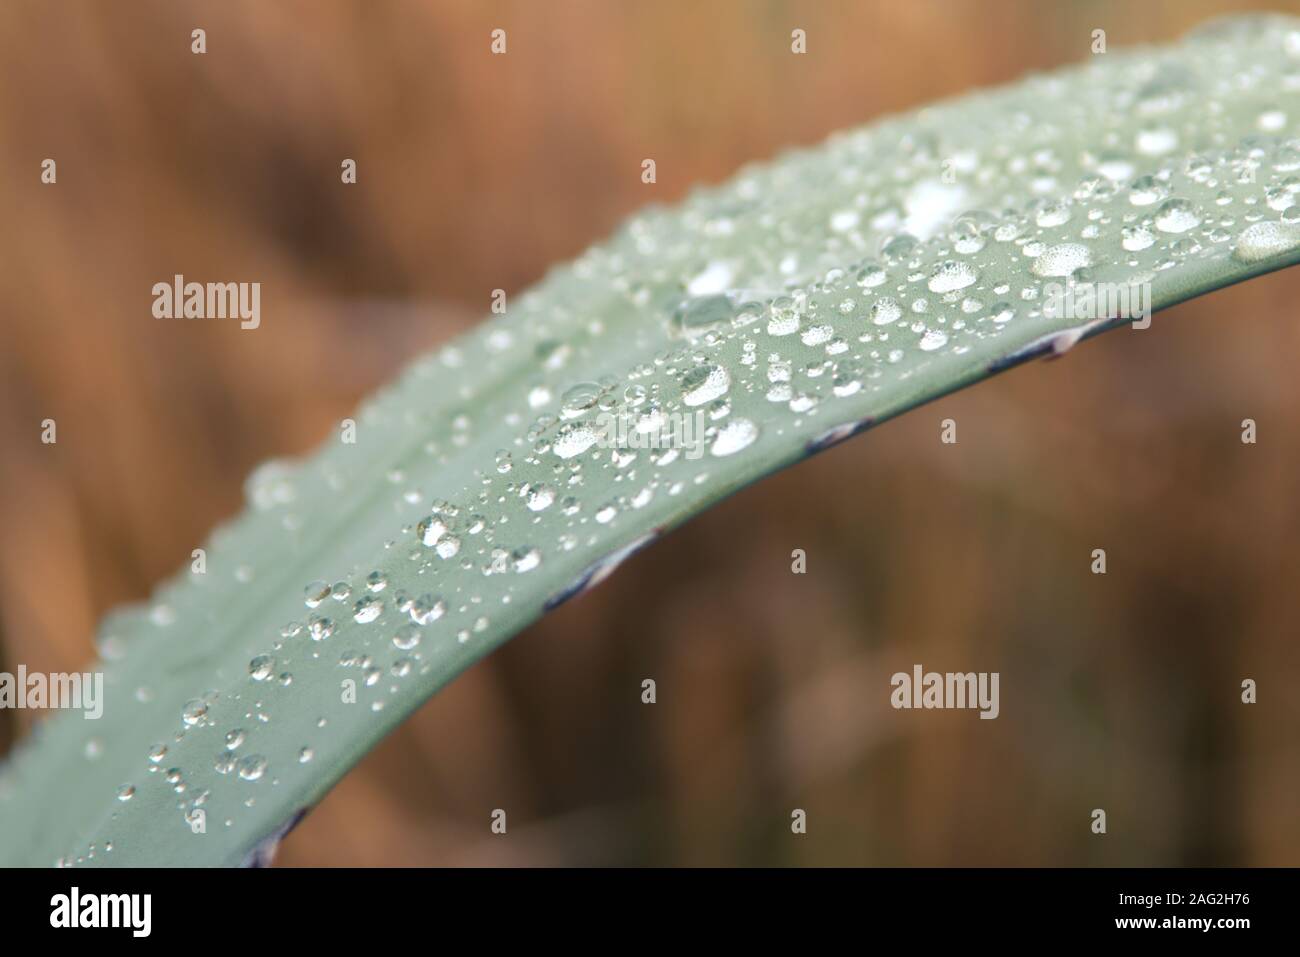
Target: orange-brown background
<point x="479" y="172"/>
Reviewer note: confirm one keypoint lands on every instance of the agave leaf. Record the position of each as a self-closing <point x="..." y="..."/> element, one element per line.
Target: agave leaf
<point x="796" y="304"/>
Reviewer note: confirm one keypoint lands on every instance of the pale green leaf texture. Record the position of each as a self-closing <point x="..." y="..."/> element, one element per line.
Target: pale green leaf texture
<point x="799" y="302"/>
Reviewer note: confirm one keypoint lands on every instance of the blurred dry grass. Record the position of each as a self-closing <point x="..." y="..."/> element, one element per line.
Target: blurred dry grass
<point x="479" y="172"/>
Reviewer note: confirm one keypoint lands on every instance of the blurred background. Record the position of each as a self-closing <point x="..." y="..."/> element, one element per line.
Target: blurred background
<point x="476" y="172"/>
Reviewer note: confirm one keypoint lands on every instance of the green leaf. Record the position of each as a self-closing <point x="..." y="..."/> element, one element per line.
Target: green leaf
<point x="800" y="302"/>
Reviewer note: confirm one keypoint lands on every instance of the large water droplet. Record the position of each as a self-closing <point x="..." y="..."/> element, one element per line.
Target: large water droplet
<point x="734" y="436"/>
<point x="1062" y="259"/>
<point x="579" y="399"/>
<point x="407" y="637"/>
<point x="574" y="438"/>
<point x="194" y="712"/>
<point x="430" y="530"/>
<point x="933" y="339"/>
<point x="1264" y="240"/>
<point x="369" y="608"/>
<point x="261" y="668"/>
<point x="886" y="310"/>
<point x="252" y="767"/>
<point x="704" y="383"/>
<point x="952" y="275"/>
<point x="1177" y="216"/>
<point x="695" y="317"/>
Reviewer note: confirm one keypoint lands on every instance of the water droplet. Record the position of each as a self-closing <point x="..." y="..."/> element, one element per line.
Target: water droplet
<point x="430" y="530"/>
<point x="315" y="593"/>
<point x="252" y="767"/>
<point x="1264" y="240"/>
<point x="734" y="436"/>
<point x="261" y="668"/>
<point x="525" y="559"/>
<point x="427" y="609"/>
<point x="407" y="637"/>
<point x="1156" y="140"/>
<point x="715" y="277"/>
<point x="1053" y="214"/>
<point x="1001" y="312"/>
<point x="320" y="628"/>
<point x="574" y="438"/>
<point x="704" y="383"/>
<point x="1136" y="238"/>
<point x="1147" y="190"/>
<point x="695" y="317"/>
<point x="1062" y="259"/>
<point x="886" y="310"/>
<point x="845" y="219"/>
<point x="871" y="275"/>
<point x="538" y="497"/>
<point x="1270" y="121"/>
<point x="1177" y="216"/>
<point x="194" y="712"/>
<point x="579" y="399"/>
<point x="783" y="318"/>
<point x="369" y="608"/>
<point x="1115" y="168"/>
<point x="933" y="339"/>
<point x="817" y="335"/>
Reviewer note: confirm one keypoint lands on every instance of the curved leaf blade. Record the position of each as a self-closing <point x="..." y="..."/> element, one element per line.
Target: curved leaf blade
<point x="791" y="307"/>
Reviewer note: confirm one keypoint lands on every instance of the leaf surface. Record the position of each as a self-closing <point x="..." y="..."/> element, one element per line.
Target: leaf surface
<point x="756" y="323"/>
